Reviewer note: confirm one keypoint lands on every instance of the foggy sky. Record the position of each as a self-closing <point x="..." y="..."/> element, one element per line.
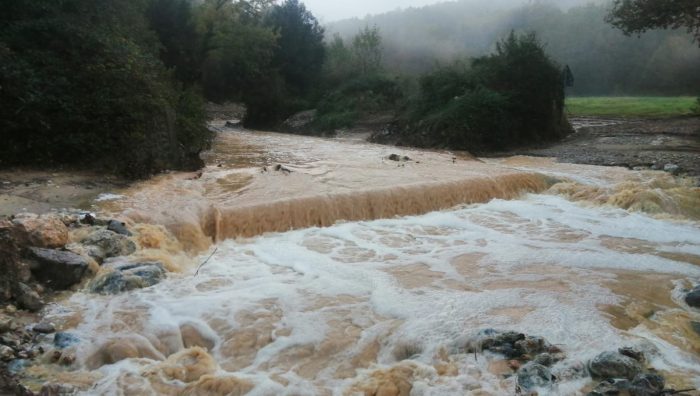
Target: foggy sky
<point x="333" y="10"/>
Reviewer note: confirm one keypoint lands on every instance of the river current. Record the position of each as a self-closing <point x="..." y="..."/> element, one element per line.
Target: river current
<point x="344" y="272"/>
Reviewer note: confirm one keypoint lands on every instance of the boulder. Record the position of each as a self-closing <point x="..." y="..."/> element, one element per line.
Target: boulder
<point x="533" y="375"/>
<point x="28" y="298"/>
<point x="119" y="227"/>
<point x="614" y="365"/>
<point x="128" y="276"/>
<point x="647" y="385"/>
<point x="46" y="231"/>
<point x="693" y="297"/>
<point x="57" y="268"/>
<point x="109" y="244"/>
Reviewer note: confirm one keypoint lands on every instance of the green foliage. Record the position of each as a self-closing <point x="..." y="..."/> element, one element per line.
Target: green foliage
<point x="300" y="51"/>
<point x="513" y="97"/>
<point x="82" y="84"/>
<point x="367" y="50"/>
<point x="359" y="96"/>
<point x="638" y="16"/>
<point x="635" y="107"/>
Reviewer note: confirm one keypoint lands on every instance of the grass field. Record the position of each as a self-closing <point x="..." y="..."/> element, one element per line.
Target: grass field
<point x="643" y="106"/>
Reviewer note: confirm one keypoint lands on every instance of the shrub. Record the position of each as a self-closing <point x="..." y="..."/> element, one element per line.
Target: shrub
<point x="360" y="95"/>
<point x="513" y="97"/>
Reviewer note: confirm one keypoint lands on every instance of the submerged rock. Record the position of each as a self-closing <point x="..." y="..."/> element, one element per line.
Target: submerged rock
<point x="57" y="268"/>
<point x="533" y="375"/>
<point x="614" y="365"/>
<point x="693" y="298"/>
<point x="108" y="244"/>
<point x="63" y="340"/>
<point x="128" y="276"/>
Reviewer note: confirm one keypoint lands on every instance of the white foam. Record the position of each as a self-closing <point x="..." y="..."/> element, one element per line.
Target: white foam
<point x="292" y="271"/>
<point x="109" y="197"/>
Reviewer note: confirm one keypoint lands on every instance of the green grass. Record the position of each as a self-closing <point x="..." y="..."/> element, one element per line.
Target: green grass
<point x="643" y="106"/>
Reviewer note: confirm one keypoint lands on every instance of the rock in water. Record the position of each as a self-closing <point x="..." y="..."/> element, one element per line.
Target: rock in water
<point x="46" y="231"/>
<point x="27" y="298"/>
<point x="128" y="276"/>
<point x="110" y="244"/>
<point x="611" y="387"/>
<point x="647" y="385"/>
<point x="63" y="340"/>
<point x="44" y="328"/>
<point x="119" y="227"/>
<point x="693" y="298"/>
<point x="58" y="269"/>
<point x="672" y="169"/>
<point x="614" y="365"/>
<point x="533" y="375"/>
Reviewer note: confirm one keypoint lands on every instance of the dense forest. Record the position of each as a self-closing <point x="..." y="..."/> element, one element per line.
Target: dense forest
<point x="602" y="58"/>
<point x="121" y="86"/>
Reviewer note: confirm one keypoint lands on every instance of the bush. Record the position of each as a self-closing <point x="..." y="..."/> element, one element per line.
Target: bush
<point x="360" y="95"/>
<point x="510" y="98"/>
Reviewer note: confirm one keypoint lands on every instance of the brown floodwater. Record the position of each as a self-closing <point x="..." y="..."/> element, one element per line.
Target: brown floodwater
<point x="342" y="272"/>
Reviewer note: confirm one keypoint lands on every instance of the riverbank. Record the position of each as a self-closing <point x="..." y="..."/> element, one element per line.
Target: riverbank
<point x="671" y="144"/>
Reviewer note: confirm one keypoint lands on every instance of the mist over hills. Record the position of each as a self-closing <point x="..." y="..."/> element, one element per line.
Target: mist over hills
<point x="603" y="60"/>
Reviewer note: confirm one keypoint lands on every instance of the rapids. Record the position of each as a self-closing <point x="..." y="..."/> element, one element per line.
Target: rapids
<point x="348" y="273"/>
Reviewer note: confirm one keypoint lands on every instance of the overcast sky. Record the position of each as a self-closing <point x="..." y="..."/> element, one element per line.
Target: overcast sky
<point x="333" y="10"/>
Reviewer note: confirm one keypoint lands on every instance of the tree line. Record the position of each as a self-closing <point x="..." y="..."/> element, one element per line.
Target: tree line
<point x="120" y="85"/>
<point x="604" y="60"/>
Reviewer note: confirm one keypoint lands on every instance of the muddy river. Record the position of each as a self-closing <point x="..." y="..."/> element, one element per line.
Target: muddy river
<point x="332" y="267"/>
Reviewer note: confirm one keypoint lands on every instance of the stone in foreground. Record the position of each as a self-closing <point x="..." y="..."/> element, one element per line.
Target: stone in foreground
<point x="128" y="276"/>
<point x="56" y="268"/>
<point x="614" y="365"/>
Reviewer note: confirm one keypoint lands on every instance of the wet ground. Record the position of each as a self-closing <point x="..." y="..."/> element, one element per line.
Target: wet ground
<point x="630" y="143"/>
<point x="40" y="191"/>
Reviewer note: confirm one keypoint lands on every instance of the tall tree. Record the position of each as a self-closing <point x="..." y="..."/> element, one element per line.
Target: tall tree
<point x="300" y="51"/>
<point x="367" y="50"/>
<point x="638" y="16"/>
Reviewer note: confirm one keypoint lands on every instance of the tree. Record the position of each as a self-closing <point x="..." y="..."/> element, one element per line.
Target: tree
<point x="367" y="50"/>
<point x="638" y="16"/>
<point x="300" y="51"/>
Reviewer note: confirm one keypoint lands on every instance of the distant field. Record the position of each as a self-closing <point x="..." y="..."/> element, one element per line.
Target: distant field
<point x="645" y="106"/>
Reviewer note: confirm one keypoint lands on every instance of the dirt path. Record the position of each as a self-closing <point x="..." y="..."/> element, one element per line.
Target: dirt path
<point x="652" y="144"/>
